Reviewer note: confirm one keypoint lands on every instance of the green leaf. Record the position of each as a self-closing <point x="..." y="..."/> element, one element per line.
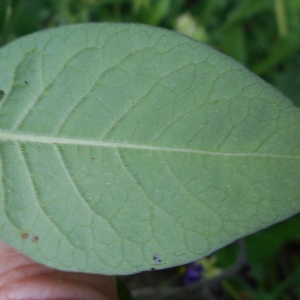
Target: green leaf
<point x="127" y="147"/>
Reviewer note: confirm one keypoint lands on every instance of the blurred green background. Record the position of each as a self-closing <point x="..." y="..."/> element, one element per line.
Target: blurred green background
<point x="264" y="35"/>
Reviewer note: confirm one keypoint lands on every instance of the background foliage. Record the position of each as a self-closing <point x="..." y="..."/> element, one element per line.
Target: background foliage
<point x="262" y="34"/>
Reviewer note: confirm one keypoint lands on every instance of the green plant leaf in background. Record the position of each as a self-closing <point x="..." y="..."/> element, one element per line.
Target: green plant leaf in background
<point x="128" y="147"/>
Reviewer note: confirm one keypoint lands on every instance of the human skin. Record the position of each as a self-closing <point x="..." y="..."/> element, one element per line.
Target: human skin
<point x="22" y="278"/>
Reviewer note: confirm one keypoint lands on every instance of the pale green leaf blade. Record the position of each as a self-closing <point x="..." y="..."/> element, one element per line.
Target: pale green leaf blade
<point x="128" y="147"/>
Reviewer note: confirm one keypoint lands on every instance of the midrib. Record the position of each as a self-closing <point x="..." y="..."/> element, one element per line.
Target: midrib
<point x="4" y="136"/>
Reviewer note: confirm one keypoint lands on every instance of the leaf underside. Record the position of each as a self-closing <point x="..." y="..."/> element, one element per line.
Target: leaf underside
<point x="126" y="147"/>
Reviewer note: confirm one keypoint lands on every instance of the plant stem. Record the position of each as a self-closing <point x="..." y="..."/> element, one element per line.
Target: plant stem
<point x="281" y="17"/>
<point x="6" y="25"/>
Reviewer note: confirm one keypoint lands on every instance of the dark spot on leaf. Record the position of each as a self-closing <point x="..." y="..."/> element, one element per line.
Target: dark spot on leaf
<point x="93" y="157"/>
<point x="157" y="258"/>
<point x="25" y="235"/>
<point x="26" y="82"/>
<point x="2" y="94"/>
<point x="35" y="239"/>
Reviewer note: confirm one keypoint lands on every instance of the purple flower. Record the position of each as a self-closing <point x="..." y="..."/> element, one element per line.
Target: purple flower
<point x="193" y="273"/>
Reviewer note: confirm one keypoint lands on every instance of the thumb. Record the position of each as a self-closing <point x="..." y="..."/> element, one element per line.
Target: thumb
<point x="22" y="278"/>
